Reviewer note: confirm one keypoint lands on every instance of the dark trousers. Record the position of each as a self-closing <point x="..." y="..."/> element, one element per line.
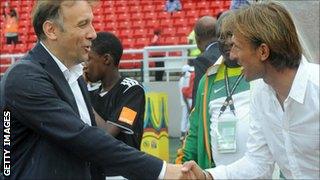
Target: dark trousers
<point x="159" y="74"/>
<point x="13" y="39"/>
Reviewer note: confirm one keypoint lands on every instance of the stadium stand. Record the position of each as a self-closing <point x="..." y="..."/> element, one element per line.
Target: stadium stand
<point x="133" y="21"/>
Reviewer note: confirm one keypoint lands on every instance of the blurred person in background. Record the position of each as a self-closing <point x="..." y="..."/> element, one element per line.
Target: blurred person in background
<point x="11" y="26"/>
<point x="284" y="105"/>
<point x="236" y="4"/>
<point x="156" y="42"/>
<point x="184" y="82"/>
<point x="206" y="37"/>
<point x="173" y="6"/>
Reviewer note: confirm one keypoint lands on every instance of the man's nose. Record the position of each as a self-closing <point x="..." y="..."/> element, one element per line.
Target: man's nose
<point x="232" y="55"/>
<point x="92" y="33"/>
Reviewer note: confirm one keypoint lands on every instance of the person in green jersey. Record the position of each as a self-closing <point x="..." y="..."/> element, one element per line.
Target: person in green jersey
<point x="219" y="120"/>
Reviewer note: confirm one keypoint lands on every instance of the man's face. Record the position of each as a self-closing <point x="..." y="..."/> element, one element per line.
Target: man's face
<point x="248" y="57"/>
<point x="75" y="41"/>
<point x="94" y="67"/>
<point x="225" y="44"/>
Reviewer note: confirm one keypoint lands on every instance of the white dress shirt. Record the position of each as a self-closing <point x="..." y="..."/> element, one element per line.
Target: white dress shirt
<point x="289" y="137"/>
<point x="72" y="76"/>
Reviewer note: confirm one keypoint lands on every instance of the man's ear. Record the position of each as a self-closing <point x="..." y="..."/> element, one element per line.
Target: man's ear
<point x="264" y="51"/>
<point x="50" y="30"/>
<point x="108" y="59"/>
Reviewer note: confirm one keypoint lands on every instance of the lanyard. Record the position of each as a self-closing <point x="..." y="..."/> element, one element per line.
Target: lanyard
<point x="229" y="100"/>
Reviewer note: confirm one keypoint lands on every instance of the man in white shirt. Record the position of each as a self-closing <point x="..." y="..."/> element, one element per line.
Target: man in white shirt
<point x="45" y="101"/>
<point x="285" y="106"/>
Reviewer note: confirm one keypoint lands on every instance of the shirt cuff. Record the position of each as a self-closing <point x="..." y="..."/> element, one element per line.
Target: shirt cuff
<point x="218" y="173"/>
<point x="163" y="170"/>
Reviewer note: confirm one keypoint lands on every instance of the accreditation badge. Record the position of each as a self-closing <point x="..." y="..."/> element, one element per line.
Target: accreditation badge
<point x="226" y="133"/>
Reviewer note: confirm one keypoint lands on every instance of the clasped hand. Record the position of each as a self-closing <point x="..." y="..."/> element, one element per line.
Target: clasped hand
<point x="189" y="170"/>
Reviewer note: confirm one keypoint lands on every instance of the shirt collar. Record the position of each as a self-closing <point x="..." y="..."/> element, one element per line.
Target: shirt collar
<point x="71" y="74"/>
<point x="209" y="46"/>
<point x="299" y="85"/>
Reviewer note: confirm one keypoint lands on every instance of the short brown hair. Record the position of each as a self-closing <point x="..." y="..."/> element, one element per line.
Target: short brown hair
<point x="49" y="10"/>
<point x="270" y="23"/>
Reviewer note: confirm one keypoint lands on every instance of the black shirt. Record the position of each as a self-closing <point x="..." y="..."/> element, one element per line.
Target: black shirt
<point x="123" y="106"/>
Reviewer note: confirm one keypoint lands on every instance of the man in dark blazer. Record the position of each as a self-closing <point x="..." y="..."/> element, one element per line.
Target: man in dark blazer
<point x="206" y="37"/>
<point x="52" y="129"/>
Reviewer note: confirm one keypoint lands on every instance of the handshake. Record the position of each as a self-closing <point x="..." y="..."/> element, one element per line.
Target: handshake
<point x="189" y="170"/>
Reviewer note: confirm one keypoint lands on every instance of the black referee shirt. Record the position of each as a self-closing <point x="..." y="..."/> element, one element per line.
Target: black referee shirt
<point x="123" y="106"/>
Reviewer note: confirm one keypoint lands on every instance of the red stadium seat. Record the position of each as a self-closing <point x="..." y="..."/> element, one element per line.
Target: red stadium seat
<point x="145" y="3"/>
<point x="160" y="8"/>
<point x="120" y="3"/>
<point x="153" y="24"/>
<point x="30" y="46"/>
<point x="126" y="33"/>
<point x="180" y="22"/>
<point x="178" y="15"/>
<point x="122" y="9"/>
<point x="3" y="69"/>
<point x="111" y="26"/>
<point x="164" y="15"/>
<point x="135" y="9"/>
<point x="139" y="33"/>
<point x="6" y="61"/>
<point x="192" y="14"/>
<point x="166" y="23"/>
<point x="128" y="43"/>
<point x="171" y="41"/>
<point x="216" y="4"/>
<point x="7" y="48"/>
<point x="26" y="3"/>
<point x="24" y="23"/>
<point x="188" y="6"/>
<point x="98" y="11"/>
<point x="148" y="8"/>
<point x="98" y="19"/>
<point x="20" y="48"/>
<point x="141" y="42"/>
<point x="23" y="38"/>
<point x="109" y="3"/>
<point x="168" y="32"/>
<point x="158" y="2"/>
<point x="125" y="25"/>
<point x="123" y="16"/>
<point x="138" y="24"/>
<point x="132" y="3"/>
<point x="206" y="12"/>
<point x="192" y="21"/>
<point x="183" y="40"/>
<point x="24" y="16"/>
<point x="137" y="16"/>
<point x="32" y="39"/>
<point x="110" y="17"/>
<point x="203" y="5"/>
<point x="183" y="31"/>
<point x="109" y="10"/>
<point x="99" y="27"/>
<point x="150" y="15"/>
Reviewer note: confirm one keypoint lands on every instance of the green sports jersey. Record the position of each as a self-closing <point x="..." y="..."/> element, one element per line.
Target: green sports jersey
<point x="197" y="146"/>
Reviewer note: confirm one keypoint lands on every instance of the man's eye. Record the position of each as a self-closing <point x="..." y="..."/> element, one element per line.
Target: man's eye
<point x="83" y="23"/>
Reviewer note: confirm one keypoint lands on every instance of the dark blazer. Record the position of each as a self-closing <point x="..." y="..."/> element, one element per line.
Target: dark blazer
<point x="48" y="138"/>
<point x="201" y="64"/>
